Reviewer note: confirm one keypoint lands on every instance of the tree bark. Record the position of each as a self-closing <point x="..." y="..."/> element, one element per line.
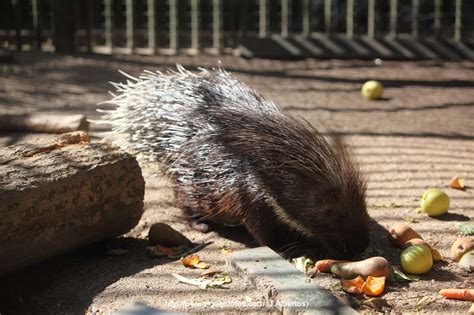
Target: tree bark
<point x="64" y="193"/>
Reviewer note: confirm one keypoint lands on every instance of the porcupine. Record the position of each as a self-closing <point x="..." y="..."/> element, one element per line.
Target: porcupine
<point x="237" y="158"/>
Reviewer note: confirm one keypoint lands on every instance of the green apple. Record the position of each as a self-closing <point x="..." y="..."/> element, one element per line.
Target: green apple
<point x="416" y="259"/>
<point x="372" y="90"/>
<point x="434" y="202"/>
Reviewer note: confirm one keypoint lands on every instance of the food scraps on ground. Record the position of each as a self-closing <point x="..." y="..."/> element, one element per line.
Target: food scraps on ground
<point x="467" y="261"/>
<point x="434" y="202"/>
<point x="400" y="233"/>
<point x="217" y="280"/>
<point x="372" y="90"/>
<point x="374" y="266"/>
<point x="372" y="286"/>
<point x="461" y="246"/>
<point x="403" y="236"/>
<point x="457" y="183"/>
<point x="397" y="275"/>
<point x="435" y="254"/>
<point x="193" y="261"/>
<point x="458" y="294"/>
<point x="325" y="264"/>
<point x="302" y="263"/>
<point x="416" y="259"/>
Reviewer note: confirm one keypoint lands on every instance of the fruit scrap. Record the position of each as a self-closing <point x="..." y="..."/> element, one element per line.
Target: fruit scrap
<point x="416" y="259"/>
<point x="458" y="294"/>
<point x="461" y="246"/>
<point x="434" y="202"/>
<point x="193" y="261"/>
<point x="403" y="236"/>
<point x="457" y="183"/>
<point x="325" y="264"/>
<point x="302" y="263"/>
<point x="353" y="285"/>
<point x="226" y="249"/>
<point x="374" y="266"/>
<point x="372" y="286"/>
<point x="400" y="233"/>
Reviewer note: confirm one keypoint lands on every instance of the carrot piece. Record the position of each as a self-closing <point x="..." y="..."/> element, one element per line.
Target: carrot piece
<point x="373" y="286"/>
<point x="353" y="285"/>
<point x="458" y="294"/>
<point x="325" y="264"/>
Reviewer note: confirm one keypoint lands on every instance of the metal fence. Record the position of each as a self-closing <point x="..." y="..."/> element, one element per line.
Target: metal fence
<point x="192" y="26"/>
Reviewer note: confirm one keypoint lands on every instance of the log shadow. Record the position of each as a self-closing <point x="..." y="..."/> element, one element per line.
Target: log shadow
<point x="81" y="275"/>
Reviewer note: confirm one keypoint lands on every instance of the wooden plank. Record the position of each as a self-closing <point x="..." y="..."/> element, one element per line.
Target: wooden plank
<point x="328" y="16"/>
<point x="18" y="24"/>
<point x="371" y="18"/>
<point x="61" y="193"/>
<point x="415" y="10"/>
<point x="173" y="24"/>
<point x="108" y="16"/>
<point x="350" y="18"/>
<point x="393" y="17"/>
<point x="263" y="18"/>
<point x="437" y="17"/>
<point x="457" y="21"/>
<point x="285" y="12"/>
<point x="306" y="17"/>
<point x="217" y="25"/>
<point x="36" y="24"/>
<point x="130" y="22"/>
<point x="195" y="25"/>
<point x="151" y="16"/>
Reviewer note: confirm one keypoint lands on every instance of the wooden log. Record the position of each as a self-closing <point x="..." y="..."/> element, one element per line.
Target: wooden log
<point x="46" y="123"/>
<point x="64" y="193"/>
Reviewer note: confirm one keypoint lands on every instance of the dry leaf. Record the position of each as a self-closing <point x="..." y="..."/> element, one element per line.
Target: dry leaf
<point x="457" y="183"/>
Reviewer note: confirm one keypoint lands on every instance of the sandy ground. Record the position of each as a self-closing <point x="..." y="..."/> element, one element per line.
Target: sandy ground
<point x="419" y="136"/>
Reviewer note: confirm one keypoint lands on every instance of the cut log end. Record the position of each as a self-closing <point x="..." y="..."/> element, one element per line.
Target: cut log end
<point x="61" y="198"/>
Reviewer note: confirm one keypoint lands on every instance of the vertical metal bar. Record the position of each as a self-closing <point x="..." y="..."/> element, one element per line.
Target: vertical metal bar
<point x="90" y="25"/>
<point x="17" y="14"/>
<point x="216" y="24"/>
<point x="457" y="22"/>
<point x="371" y="18"/>
<point x="437" y="17"/>
<point x="306" y="17"/>
<point x="263" y="18"/>
<point x="393" y="17"/>
<point x="284" y="18"/>
<point x="173" y="12"/>
<point x="195" y="24"/>
<point x="36" y="24"/>
<point x="414" y="18"/>
<point x="327" y="16"/>
<point x="151" y="23"/>
<point x="350" y="19"/>
<point x="108" y="15"/>
<point x="130" y="21"/>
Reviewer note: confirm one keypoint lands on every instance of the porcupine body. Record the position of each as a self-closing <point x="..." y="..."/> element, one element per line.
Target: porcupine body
<point x="236" y="158"/>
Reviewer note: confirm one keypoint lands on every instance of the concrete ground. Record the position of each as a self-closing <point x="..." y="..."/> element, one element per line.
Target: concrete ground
<point x="419" y="136"/>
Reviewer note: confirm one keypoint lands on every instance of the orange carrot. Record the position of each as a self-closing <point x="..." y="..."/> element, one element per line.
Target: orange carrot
<point x="353" y="285"/>
<point x="373" y="286"/>
<point x="325" y="264"/>
<point x="458" y="294"/>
